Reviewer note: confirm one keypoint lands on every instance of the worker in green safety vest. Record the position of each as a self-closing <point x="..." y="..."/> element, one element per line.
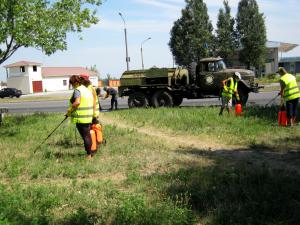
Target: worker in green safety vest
<point x="81" y="112"/>
<point x="289" y="94"/>
<point x="229" y="88"/>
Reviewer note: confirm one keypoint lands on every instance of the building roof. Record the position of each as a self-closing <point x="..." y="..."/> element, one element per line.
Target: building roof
<point x="65" y="71"/>
<point x="290" y="59"/>
<point x="23" y="63"/>
<point x="282" y="47"/>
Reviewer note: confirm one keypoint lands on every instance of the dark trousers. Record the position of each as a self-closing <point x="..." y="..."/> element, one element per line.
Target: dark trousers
<point x="114" y="101"/>
<point x="291" y="108"/>
<point x="84" y="131"/>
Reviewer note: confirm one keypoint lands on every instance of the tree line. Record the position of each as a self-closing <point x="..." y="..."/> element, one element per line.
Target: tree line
<point x="192" y="36"/>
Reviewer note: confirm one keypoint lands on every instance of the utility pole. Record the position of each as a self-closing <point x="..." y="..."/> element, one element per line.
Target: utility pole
<point x="125" y="32"/>
<point x="142" y="50"/>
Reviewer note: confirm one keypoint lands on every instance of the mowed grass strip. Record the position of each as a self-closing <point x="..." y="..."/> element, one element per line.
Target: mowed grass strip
<point x="57" y="185"/>
<point x="134" y="179"/>
<point x="256" y="129"/>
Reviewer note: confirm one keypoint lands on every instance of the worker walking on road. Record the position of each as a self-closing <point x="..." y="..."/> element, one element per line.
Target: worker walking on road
<point x="87" y="83"/>
<point x="81" y="111"/>
<point x="114" y="98"/>
<point x="289" y="94"/>
<point x="229" y="88"/>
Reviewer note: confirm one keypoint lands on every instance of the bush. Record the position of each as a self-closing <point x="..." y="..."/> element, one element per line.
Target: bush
<point x="271" y="76"/>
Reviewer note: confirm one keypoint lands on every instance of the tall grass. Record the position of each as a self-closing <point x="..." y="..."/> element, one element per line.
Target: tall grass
<point x="136" y="179"/>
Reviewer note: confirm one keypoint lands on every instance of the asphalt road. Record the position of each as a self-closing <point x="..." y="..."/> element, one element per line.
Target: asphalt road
<point x="61" y="105"/>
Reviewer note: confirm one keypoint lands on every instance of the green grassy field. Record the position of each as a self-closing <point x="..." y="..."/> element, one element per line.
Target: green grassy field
<point x="141" y="177"/>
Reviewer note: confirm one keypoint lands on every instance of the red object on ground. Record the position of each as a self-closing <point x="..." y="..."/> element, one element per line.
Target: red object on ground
<point x="282" y="120"/>
<point x="238" y="110"/>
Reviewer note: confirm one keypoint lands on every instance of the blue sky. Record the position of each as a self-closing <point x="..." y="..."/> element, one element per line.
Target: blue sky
<point x="103" y="44"/>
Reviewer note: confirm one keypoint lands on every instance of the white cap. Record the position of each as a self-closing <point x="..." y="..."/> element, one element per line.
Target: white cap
<point x="238" y="75"/>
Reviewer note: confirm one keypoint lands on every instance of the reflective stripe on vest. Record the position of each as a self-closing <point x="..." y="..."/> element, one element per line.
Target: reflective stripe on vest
<point x="84" y="112"/>
<point x="291" y="90"/>
<point x="92" y="90"/>
<point x="231" y="89"/>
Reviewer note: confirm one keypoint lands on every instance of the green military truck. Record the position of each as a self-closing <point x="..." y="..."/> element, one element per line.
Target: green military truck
<point x="158" y="87"/>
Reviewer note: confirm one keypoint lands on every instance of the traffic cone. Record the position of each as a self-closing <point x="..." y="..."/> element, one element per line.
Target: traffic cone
<point x="238" y="109"/>
<point x="282" y="120"/>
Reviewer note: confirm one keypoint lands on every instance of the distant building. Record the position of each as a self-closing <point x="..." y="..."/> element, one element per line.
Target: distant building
<point x="31" y="77"/>
<point x="291" y="64"/>
<point x="274" y="49"/>
<point x="114" y="83"/>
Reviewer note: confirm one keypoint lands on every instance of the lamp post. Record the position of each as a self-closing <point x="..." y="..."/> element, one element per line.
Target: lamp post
<point x="142" y="51"/>
<point x="125" y="32"/>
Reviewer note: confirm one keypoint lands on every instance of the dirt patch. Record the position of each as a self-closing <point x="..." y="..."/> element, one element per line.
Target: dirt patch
<point x="193" y="145"/>
<point x="169" y="137"/>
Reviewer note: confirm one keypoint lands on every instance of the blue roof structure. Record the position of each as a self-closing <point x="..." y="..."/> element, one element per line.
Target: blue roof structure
<point x="282" y="47"/>
<point x="289" y="59"/>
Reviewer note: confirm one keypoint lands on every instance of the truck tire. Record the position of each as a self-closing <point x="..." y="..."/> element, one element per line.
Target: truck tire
<point x="177" y="100"/>
<point x="162" y="99"/>
<point x="137" y="100"/>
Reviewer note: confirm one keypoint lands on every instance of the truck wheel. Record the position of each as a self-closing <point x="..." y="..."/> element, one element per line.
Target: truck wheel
<point x="177" y="100"/>
<point x="162" y="99"/>
<point x="137" y="100"/>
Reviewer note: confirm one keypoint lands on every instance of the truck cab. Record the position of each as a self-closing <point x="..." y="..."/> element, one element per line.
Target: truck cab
<point x="210" y="72"/>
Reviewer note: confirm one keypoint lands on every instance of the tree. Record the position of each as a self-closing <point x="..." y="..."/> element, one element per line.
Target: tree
<point x="191" y="35"/>
<point x="226" y="37"/>
<point x="42" y="24"/>
<point x="252" y="33"/>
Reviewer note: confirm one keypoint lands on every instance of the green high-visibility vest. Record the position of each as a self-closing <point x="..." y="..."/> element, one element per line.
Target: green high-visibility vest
<point x="84" y="112"/>
<point x="291" y="90"/>
<point x="92" y="90"/>
<point x="228" y="91"/>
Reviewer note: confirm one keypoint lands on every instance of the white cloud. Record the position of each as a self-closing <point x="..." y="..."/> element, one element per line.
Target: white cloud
<point x="136" y="26"/>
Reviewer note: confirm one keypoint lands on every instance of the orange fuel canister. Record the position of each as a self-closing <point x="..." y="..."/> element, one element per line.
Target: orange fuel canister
<point x="282" y="120"/>
<point x="94" y="140"/>
<point x="97" y="128"/>
<point x="238" y="109"/>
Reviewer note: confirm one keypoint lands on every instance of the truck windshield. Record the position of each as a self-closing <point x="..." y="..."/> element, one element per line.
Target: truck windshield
<point x="220" y="65"/>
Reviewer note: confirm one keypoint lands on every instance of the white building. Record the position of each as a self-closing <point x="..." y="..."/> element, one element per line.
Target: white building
<point x="31" y="77"/>
<point x="272" y="57"/>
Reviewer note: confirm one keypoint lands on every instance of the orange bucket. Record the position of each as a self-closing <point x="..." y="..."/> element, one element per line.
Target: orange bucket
<point x="238" y="109"/>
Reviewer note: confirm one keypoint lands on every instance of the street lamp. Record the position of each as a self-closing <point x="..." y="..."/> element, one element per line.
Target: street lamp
<point x="142" y="51"/>
<point x="125" y="32"/>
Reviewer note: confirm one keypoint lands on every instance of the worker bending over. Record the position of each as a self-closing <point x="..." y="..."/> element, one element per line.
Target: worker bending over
<point x="229" y="88"/>
<point x="114" y="98"/>
<point x="290" y="94"/>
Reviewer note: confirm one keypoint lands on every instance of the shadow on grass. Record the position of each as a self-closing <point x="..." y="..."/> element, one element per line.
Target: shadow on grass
<point x="240" y="187"/>
<point x="69" y="154"/>
<point x="81" y="216"/>
<point x="279" y="144"/>
<point x="269" y="113"/>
